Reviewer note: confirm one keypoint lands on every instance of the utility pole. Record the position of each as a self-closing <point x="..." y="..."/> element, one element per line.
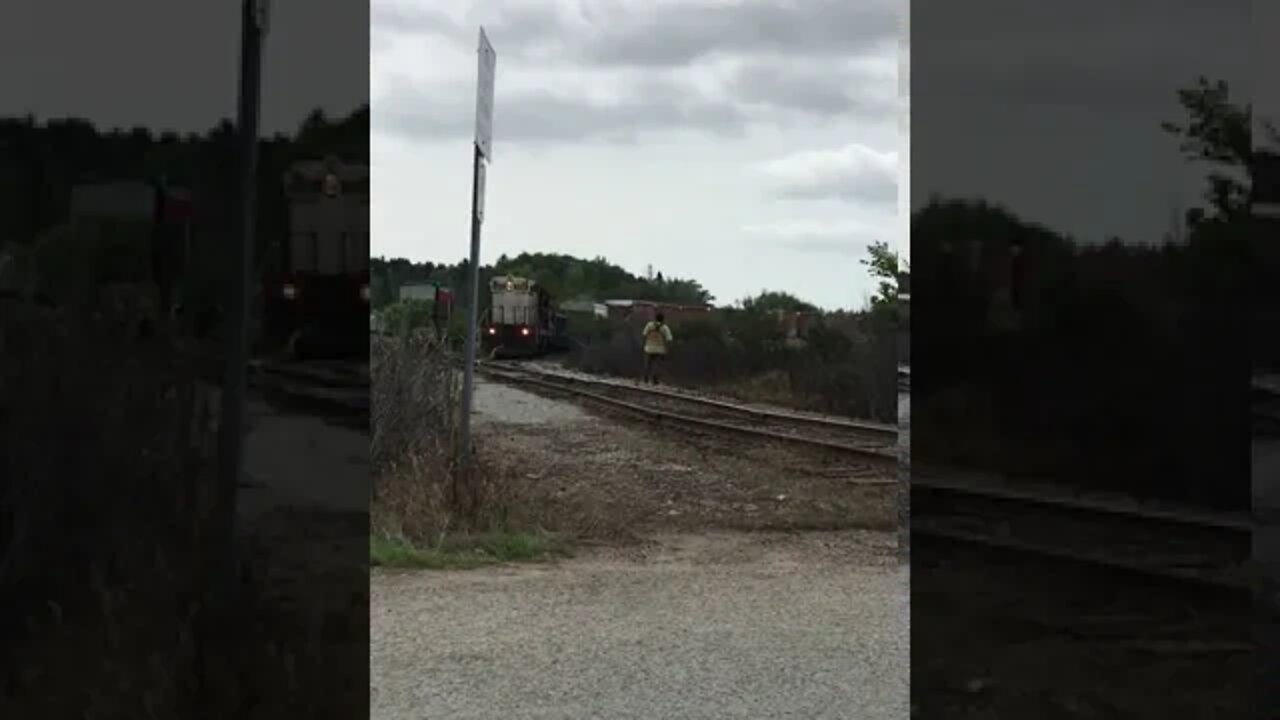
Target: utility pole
<point x="482" y="152"/>
<point x="232" y="413"/>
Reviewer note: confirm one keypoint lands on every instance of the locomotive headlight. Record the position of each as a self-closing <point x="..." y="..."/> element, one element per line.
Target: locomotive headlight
<point x="524" y="331"/>
<point x="364" y="293"/>
<point x="493" y="330"/>
<point x="289" y="291"/>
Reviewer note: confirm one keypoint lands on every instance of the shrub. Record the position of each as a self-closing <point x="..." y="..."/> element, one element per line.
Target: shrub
<point x="847" y="366"/>
<point x="104" y="507"/>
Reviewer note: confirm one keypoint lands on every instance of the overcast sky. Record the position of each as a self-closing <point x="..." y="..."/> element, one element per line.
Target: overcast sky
<point x="173" y="64"/>
<point x="1054" y="108"/>
<point x="1265" y="29"/>
<point x="749" y="145"/>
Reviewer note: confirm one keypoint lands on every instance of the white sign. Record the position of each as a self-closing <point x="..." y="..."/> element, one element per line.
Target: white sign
<point x="480" y="178"/>
<point x="484" y="97"/>
<point x="262" y="14"/>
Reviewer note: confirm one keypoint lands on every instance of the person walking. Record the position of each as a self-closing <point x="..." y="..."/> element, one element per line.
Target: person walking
<point x="657" y="339"/>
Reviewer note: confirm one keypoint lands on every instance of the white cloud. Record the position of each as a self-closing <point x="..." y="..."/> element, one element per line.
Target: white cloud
<point x="853" y="172"/>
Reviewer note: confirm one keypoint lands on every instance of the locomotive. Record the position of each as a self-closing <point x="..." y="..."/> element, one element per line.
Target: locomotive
<point x="521" y="321"/>
<point x="317" y="293"/>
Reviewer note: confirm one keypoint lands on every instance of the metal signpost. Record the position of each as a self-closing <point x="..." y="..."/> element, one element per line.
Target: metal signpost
<point x="233" y="407"/>
<point x="481" y="154"/>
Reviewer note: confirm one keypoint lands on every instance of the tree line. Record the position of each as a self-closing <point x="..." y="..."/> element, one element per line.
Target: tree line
<point x="564" y="276"/>
<point x="571" y="278"/>
<point x="43" y="159"/>
<point x="1120" y="365"/>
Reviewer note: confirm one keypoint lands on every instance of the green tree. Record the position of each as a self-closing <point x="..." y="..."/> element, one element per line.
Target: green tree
<point x="1218" y="131"/>
<point x="888" y="268"/>
<point x="411" y="314"/>
<point x="773" y="300"/>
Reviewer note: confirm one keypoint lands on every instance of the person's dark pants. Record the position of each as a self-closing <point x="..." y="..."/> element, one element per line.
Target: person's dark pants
<point x="652" y="363"/>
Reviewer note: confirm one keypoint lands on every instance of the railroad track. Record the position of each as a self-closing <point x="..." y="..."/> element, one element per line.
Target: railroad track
<point x="1202" y="548"/>
<point x="1206" y="549"/>
<point x="869" y="442"/>
<point x="334" y="389"/>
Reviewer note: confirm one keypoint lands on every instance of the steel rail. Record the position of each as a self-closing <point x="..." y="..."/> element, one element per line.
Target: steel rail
<point x="537" y="380"/>
<point x="754" y="413"/>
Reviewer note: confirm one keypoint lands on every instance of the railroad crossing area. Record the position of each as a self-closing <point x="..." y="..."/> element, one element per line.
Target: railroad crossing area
<point x="612" y="460"/>
<point x="717" y="571"/>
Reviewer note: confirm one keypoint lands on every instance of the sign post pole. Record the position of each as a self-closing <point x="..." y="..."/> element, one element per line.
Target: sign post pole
<point x="482" y="153"/>
<point x="233" y="406"/>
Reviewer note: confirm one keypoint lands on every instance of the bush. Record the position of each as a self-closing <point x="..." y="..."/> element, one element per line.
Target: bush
<point x="107" y="530"/>
<point x="104" y="490"/>
<point x="409" y="314"/>
<point x="421" y="490"/>
<point x="848" y="365"/>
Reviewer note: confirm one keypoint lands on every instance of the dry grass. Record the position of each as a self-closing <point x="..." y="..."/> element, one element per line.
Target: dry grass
<point x="107" y="526"/>
<point x="768" y="388"/>
<point x="429" y="508"/>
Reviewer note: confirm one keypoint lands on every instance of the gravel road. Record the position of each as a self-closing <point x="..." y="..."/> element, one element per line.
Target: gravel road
<point x="295" y="460"/>
<point x="1266" y="555"/>
<point x="722" y="626"/>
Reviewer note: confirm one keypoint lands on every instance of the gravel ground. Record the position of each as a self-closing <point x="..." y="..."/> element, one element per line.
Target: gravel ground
<point x="711" y="626"/>
<point x="495" y="402"/>
<point x="604" y="477"/>
<point x="295" y="460"/>
<point x="1018" y="637"/>
<point x="1266" y="555"/>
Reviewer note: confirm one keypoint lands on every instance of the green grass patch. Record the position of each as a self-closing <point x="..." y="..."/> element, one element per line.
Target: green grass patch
<point x="465" y="552"/>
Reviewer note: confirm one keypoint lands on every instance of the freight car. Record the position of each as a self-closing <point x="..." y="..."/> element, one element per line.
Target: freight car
<point x="521" y="321"/>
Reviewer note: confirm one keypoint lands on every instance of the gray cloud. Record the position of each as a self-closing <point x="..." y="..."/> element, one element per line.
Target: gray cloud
<point x="392" y="17"/>
<point x="1130" y="58"/>
<point x="789" y="62"/>
<point x="812" y="28"/>
<point x="106" y="61"/>
<point x="816" y="89"/>
<point x="609" y="32"/>
<point x="543" y="116"/>
<point x="1054" y="110"/>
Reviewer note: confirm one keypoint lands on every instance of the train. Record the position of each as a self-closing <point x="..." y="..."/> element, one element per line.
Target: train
<point x="315" y="295"/>
<point x="521" y="320"/>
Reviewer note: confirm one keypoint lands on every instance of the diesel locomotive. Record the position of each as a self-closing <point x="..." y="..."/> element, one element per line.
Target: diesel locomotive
<point x="521" y="320"/>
